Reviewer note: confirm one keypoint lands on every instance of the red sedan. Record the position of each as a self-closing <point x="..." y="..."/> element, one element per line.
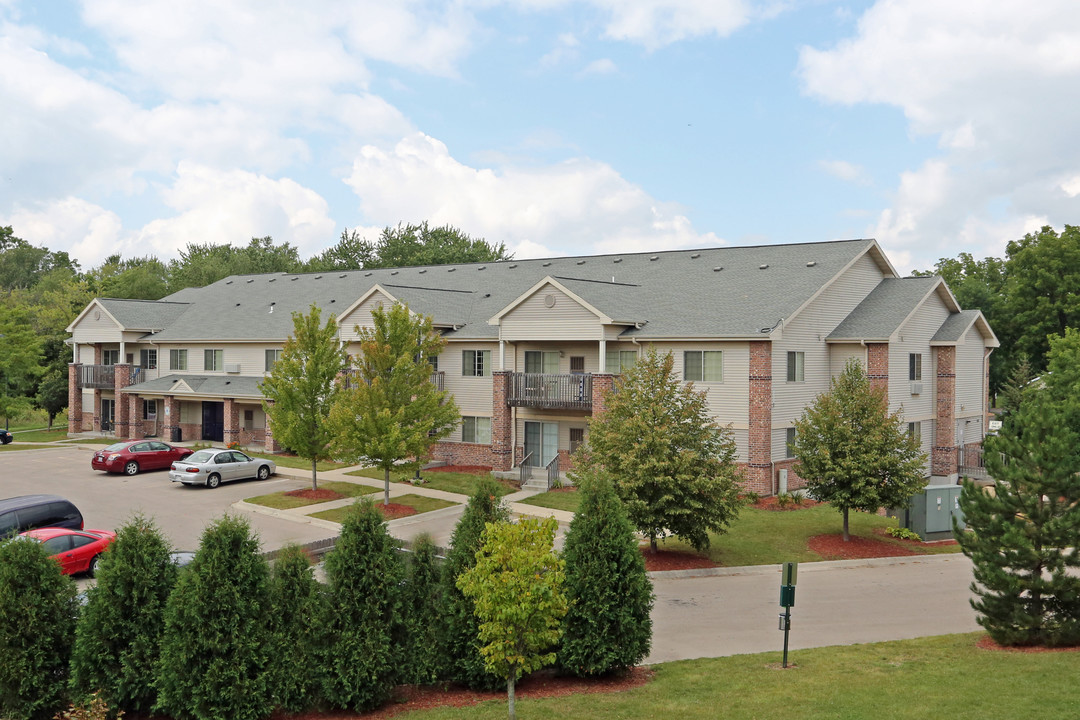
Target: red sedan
<point x="135" y="455"/>
<point x="75" y="550"/>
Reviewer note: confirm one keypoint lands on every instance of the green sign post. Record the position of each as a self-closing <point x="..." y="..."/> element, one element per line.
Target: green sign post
<point x="789" y="573"/>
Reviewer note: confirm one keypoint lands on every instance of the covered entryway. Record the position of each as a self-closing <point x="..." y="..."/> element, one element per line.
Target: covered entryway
<point x="108" y="414"/>
<point x="213" y="421"/>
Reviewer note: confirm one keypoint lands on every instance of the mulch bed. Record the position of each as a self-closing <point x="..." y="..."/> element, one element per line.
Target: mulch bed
<point x="833" y="547"/>
<point x="320" y="495"/>
<point x="673" y="560"/>
<point x="393" y="511"/>
<point x="543" y="684"/>
<point x="884" y="532"/>
<point x="987" y="643"/>
<point x="470" y="469"/>
<point x="772" y="504"/>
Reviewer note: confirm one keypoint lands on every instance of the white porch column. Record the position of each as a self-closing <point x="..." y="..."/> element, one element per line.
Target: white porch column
<point x="502" y="354"/>
<point x="603" y="356"/>
<point x="123" y="356"/>
<point x="74" y="352"/>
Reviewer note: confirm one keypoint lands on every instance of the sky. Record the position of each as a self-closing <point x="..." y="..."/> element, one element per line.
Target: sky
<point x="557" y="127"/>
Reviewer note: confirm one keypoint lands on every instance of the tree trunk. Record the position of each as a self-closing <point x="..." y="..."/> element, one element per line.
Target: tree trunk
<point x="510" y="697"/>
<point x="314" y="480"/>
<point x="652" y="543"/>
<point x="386" y="486"/>
<point x="847" y="535"/>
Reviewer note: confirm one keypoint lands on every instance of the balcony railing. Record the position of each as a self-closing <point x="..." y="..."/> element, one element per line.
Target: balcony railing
<point x="99" y="377"/>
<point x="551" y="391"/>
<point x="438" y="379"/>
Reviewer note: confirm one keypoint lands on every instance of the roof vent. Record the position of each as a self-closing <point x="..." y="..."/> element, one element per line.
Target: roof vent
<point x="273" y="304"/>
<point x="580" y="262"/>
<point x="695" y="256"/>
<point x="342" y="276"/>
<point x="812" y="263"/>
<point x="333" y="301"/>
<point x="272" y="279"/>
<point x="228" y="282"/>
<point x="617" y="260"/>
<point x="237" y="304"/>
<point x="318" y="277"/>
<point x="512" y="266"/>
<point x="764" y="266"/>
<point x="393" y="272"/>
<point x="718" y="268"/>
<point x="367" y="274"/>
<point x="654" y="257"/>
<point x="482" y="267"/>
<point x="293" y="279"/>
<point x="251" y="280"/>
<point x="451" y="269"/>
<point x="423" y="271"/>
<point x="547" y="264"/>
<point x="487" y="295"/>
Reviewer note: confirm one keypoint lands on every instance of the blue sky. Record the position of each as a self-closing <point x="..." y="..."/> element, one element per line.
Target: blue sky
<point x="554" y="126"/>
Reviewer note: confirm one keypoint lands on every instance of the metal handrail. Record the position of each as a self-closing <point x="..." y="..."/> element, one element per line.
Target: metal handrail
<point x="524" y="470"/>
<point x="553" y="471"/>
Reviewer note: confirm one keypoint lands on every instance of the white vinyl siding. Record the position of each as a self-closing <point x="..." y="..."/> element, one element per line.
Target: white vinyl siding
<point x="472" y="394"/>
<point x="840" y="353"/>
<point x="476" y="430"/>
<point x="566" y="319"/>
<point x="703" y="365"/>
<point x="361" y="316"/>
<point x="913" y="338"/>
<point x="101" y="329"/>
<point x="177" y="359"/>
<point x="970" y="401"/>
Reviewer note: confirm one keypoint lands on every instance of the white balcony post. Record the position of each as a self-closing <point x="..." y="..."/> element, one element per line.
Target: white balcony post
<point x="74" y="352"/>
<point x="603" y="356"/>
<point x="502" y="354"/>
<point x="123" y="357"/>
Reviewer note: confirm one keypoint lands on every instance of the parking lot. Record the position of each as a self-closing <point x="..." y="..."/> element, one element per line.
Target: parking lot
<point x="181" y="511"/>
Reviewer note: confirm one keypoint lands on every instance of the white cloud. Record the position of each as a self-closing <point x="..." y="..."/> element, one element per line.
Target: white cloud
<point x="848" y="172"/>
<point x="603" y="66"/>
<point x="977" y="76"/>
<point x="574" y="207"/>
<point x="655" y="23"/>
<point x="88" y="232"/>
<point x="565" y="50"/>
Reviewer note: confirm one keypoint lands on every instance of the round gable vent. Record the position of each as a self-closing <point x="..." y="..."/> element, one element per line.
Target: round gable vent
<point x="549" y="301"/>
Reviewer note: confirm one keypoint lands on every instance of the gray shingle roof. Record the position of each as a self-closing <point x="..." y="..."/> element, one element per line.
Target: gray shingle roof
<point x="144" y="314"/>
<point x="882" y="312"/>
<point x="673" y="294"/>
<point x="954" y="327"/>
<point x="225" y="385"/>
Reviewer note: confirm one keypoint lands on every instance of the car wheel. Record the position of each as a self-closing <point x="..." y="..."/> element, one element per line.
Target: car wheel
<point x="131" y="468"/>
<point x="213" y="481"/>
<point x="92" y="567"/>
<point x="264" y="472"/>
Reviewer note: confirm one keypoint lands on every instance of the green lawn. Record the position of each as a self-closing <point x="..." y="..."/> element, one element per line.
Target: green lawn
<point x="281" y="501"/>
<point x="421" y="503"/>
<point x="53" y="435"/>
<point x="291" y="461"/>
<point x="763" y="537"/>
<point x="562" y="500"/>
<point x="13" y="448"/>
<point x="455" y="482"/>
<point x="93" y="441"/>
<point x="942" y="677"/>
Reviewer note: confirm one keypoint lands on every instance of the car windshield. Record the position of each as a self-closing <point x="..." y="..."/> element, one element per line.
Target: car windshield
<point x="116" y="447"/>
<point x="200" y="457"/>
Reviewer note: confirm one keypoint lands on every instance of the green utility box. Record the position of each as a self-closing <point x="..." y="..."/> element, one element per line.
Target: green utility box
<point x="931" y="513"/>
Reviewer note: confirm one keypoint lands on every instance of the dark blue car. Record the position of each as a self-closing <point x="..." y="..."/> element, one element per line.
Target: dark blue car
<point x="5" y="437"/>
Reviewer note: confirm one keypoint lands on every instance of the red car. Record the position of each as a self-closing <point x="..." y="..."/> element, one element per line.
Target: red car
<point x="75" y="550"/>
<point x="134" y="455"/>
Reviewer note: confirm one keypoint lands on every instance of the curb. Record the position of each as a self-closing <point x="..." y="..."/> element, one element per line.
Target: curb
<point x="819" y="566"/>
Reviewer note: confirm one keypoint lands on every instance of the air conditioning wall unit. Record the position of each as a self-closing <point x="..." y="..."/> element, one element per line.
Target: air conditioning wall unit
<point x="232" y="367"/>
<point x="916" y="388"/>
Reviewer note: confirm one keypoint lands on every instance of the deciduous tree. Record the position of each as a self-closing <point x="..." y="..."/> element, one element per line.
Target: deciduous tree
<point x="852" y="452"/>
<point x="421" y="244"/>
<point x="672" y="465"/>
<point x="517" y="588"/>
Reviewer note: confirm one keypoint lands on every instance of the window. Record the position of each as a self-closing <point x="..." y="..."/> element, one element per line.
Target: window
<point x="790" y="444"/>
<point x="914" y="366"/>
<point x="619" y="361"/>
<point x="249" y="419"/>
<point x="577" y="439"/>
<point x="795" y="367"/>
<point x="433" y="361"/>
<point x="476" y="430"/>
<point x="703" y="366"/>
<point x="148" y="358"/>
<point x="110" y="357"/>
<point x="541" y="362"/>
<point x="213" y="360"/>
<point x="149" y="409"/>
<point x="476" y="363"/>
<point x="178" y="359"/>
<point x="914" y="429"/>
<point x="272" y="356"/>
<point x="577" y="365"/>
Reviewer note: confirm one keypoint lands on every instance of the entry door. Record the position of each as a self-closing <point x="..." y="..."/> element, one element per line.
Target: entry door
<point x="108" y="414"/>
<point x="542" y="440"/>
<point x="213" y="421"/>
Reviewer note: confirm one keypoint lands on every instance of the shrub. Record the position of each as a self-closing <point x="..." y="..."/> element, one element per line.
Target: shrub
<point x="296" y="630"/>
<point x="608" y="627"/>
<point x="784" y="500"/>
<point x="215" y="649"/>
<point x="423" y="606"/>
<point x="118" y="635"/>
<point x="750" y="497"/>
<point x="362" y="613"/>
<point x="460" y="629"/>
<point x="37" y="626"/>
<point x="903" y="533"/>
<point x="93" y="708"/>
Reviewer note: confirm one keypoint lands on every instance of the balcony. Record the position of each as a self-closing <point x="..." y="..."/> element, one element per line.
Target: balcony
<point x="550" y="391"/>
<point x="99" y="377"/>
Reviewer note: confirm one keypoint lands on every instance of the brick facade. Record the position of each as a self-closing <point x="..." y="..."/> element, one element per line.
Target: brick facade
<point x="231" y="432"/>
<point x="877" y="361"/>
<point x="501" y="421"/>
<point x="460" y="453"/>
<point x="794" y="481"/>
<point x="270" y="445"/>
<point x="121" y="379"/>
<point x="134" y="414"/>
<point x="75" y="408"/>
<point x="170" y="413"/>
<point x="759" y="477"/>
<point x="943" y="453"/>
<point x="602" y="383"/>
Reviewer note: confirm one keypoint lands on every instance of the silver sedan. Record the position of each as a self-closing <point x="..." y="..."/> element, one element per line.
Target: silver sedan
<point x="212" y="466"/>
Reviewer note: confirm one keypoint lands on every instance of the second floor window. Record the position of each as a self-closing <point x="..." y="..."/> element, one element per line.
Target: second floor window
<point x="476" y="363"/>
<point x="703" y="366"/>
<point x="914" y="429"/>
<point x="541" y="362"/>
<point x="272" y="356"/>
<point x="795" y="367"/>
<point x="110" y="357"/>
<point x="619" y="361"/>
<point x="213" y="360"/>
<point x="914" y="366"/>
<point x="178" y="359"/>
<point x="148" y="358"/>
<point x="476" y="430"/>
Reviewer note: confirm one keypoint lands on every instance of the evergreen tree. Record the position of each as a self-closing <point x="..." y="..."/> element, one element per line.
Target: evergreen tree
<point x="118" y="636"/>
<point x="37" y="626"/>
<point x="364" y="571"/>
<point x="296" y="612"/>
<point x="608" y="627"/>
<point x="672" y="465"/>
<point x="215" y="651"/>
<point x="852" y="452"/>
<point x="423" y="606"/>
<point x="460" y="631"/>
<point x="1023" y="537"/>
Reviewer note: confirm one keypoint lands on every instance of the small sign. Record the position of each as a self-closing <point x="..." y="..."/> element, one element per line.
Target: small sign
<point x="994" y="425"/>
<point x="166" y="410"/>
<point x="789" y="573"/>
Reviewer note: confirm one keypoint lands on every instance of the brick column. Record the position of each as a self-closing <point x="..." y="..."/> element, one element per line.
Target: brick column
<point x="759" y="465"/>
<point x="232" y="422"/>
<point x="75" y="419"/>
<point x="601" y="384"/>
<point x="269" y="443"/>
<point x="134" y="413"/>
<point x="877" y="361"/>
<point x="943" y="454"/>
<point x="170" y="414"/>
<point x="501" y="423"/>
<point x="121" y="379"/>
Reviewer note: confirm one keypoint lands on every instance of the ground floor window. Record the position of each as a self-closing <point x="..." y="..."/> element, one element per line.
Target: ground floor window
<point x="476" y="430"/>
<point x="149" y="410"/>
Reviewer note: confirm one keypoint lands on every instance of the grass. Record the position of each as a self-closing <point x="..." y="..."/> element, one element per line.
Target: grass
<point x="763" y="537"/>
<point x="562" y="500"/>
<point x="944" y="677"/>
<point x="53" y="435"/>
<point x="93" y="441"/>
<point x="420" y="503"/>
<point x="281" y="501"/>
<point x="291" y="461"/>
<point x="13" y="448"/>
<point x="455" y="482"/>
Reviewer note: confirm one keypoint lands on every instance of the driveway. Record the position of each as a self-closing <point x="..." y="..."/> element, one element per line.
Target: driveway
<point x="108" y="500"/>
